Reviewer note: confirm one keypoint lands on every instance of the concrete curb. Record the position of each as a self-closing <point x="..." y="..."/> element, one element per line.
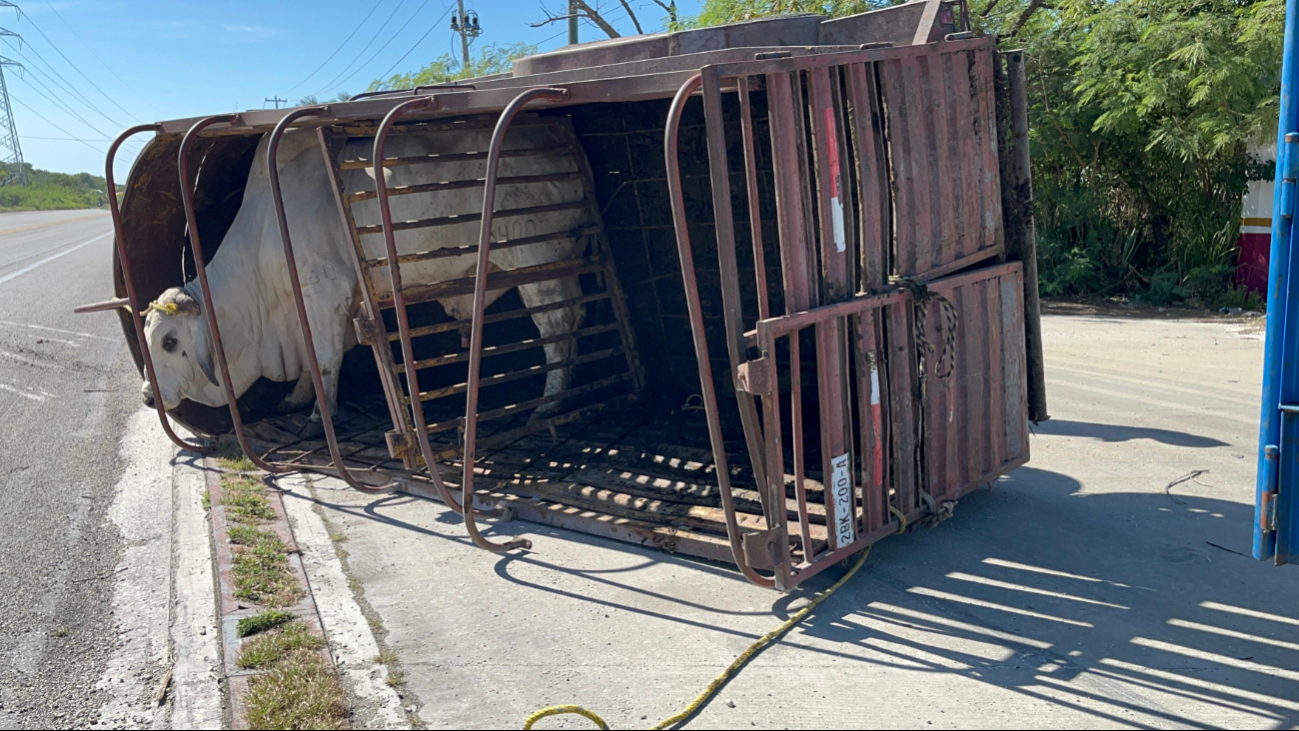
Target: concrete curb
<point x="231" y="610"/>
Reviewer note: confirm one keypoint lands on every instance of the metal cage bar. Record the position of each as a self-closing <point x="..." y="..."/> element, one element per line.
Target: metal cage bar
<point x="313" y="363"/>
<point x="480" y="304"/>
<point x="209" y="307"/>
<point x="133" y="300"/>
<point x="707" y="388"/>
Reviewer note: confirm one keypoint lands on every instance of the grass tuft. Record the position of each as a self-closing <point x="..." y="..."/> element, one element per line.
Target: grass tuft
<point x="298" y="692"/>
<point x="386" y="657"/>
<point x="263" y="621"/>
<point x="245" y="500"/>
<point x="264" y="651"/>
<point x="396" y="678"/>
<point x="261" y="573"/>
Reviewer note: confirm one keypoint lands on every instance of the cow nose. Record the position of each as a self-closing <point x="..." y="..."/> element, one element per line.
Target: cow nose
<point x="148" y="400"/>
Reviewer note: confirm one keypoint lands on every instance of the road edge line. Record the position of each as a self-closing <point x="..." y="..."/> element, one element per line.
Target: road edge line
<point x="197" y="700"/>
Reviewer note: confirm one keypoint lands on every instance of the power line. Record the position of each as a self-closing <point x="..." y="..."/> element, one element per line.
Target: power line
<point x="336" y="50"/>
<point x="97" y="58"/>
<point x="431" y="28"/>
<point x="389" y="42"/>
<point x="55" y="126"/>
<point x="67" y="85"/>
<point x="78" y="69"/>
<point x="61" y="106"/>
<point x="360" y="53"/>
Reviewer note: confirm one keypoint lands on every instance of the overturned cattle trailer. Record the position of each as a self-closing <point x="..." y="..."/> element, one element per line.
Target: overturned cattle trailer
<point x="754" y="293"/>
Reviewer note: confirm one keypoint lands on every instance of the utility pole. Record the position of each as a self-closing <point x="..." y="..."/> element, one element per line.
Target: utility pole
<point x="10" y="148"/>
<point x="466" y="24"/>
<point x="572" y="23"/>
<point x="275" y="100"/>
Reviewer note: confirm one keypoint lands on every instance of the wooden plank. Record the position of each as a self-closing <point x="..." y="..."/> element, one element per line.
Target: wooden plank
<point x="1015" y="401"/>
<point x="902" y="363"/>
<point x="995" y="372"/>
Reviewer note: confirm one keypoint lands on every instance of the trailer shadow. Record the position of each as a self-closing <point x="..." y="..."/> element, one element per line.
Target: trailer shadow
<point x="1121" y="433"/>
<point x="1113" y="605"/>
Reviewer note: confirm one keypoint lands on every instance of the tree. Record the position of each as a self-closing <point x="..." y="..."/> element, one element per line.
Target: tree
<point x="584" y="11"/>
<point x="1142" y="116"/>
<point x="492" y="59"/>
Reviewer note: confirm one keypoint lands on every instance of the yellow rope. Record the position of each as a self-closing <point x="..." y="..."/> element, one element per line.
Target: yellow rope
<point x="726" y="675"/>
<point x="902" y="520"/>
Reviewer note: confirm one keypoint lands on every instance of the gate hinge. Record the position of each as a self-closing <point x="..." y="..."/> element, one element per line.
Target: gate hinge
<point x="762" y="549"/>
<point x="1289" y="172"/>
<point x="755" y="377"/>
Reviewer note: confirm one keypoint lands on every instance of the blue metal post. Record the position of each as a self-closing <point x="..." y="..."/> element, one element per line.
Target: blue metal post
<point x="1280" y="374"/>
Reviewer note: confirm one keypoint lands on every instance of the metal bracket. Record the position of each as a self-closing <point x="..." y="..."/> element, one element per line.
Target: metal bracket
<point x="398" y="443"/>
<point x="762" y="550"/>
<point x="368" y="332"/>
<point x="755" y="377"/>
<point x="1267" y="504"/>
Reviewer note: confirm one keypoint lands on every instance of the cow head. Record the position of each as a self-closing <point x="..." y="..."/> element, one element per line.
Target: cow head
<point x="176" y="333"/>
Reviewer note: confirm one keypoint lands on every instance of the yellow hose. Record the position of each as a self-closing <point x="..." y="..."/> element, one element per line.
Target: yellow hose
<point x="720" y="680"/>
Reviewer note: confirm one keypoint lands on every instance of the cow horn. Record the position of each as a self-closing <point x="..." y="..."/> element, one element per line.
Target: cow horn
<point x="121" y="303"/>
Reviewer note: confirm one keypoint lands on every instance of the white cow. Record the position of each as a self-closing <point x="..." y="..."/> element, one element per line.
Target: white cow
<point x="249" y="274"/>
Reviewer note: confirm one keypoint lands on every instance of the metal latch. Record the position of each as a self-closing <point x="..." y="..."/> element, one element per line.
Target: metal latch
<point x="1267" y="502"/>
<point x="1289" y="172"/>
<point x="755" y="377"/>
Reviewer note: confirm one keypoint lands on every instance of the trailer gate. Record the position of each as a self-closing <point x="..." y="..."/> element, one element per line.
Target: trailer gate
<point x="914" y="129"/>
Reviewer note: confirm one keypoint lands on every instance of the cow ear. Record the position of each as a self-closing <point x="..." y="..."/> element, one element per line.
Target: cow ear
<point x="203" y="354"/>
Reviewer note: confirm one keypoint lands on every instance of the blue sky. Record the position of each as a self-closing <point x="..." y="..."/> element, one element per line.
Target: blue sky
<point x="164" y="59"/>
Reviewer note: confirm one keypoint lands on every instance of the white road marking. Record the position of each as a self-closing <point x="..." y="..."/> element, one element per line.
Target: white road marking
<point x="11" y="323"/>
<point x="28" y="361"/>
<point x="20" y="392"/>
<point x="49" y="259"/>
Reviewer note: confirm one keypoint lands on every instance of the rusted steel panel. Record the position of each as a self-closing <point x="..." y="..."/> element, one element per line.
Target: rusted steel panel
<point x="986" y="391"/>
<point x="943" y="156"/>
<point x="871" y="402"/>
<point x="872" y="195"/>
<point x="937" y="83"/>
<point x="922" y="163"/>
<point x="964" y="109"/>
<point x="994" y="231"/>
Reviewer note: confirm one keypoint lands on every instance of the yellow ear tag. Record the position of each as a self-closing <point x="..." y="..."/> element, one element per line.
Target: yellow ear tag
<point x="171" y="308"/>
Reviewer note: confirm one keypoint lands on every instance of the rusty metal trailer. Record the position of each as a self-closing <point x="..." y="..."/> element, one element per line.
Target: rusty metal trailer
<point x="806" y="268"/>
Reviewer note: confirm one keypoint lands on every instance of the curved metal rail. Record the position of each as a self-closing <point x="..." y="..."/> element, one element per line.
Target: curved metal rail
<point x="399" y="301"/>
<point x="322" y="402"/>
<point x="480" y="300"/>
<point x="187" y="199"/>
<point x="707" y="388"/>
<point x="137" y="312"/>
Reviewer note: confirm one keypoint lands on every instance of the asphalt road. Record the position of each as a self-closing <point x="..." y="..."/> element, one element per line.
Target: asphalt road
<point x="67" y="386"/>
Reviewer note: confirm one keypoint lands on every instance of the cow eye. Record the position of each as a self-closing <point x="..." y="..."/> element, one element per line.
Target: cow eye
<point x="169" y="343"/>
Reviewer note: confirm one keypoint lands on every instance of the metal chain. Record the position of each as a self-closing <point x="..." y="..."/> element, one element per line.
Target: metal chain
<point x="921" y="296"/>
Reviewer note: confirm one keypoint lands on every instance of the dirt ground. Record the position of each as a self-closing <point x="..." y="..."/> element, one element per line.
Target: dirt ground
<point x="1105" y="584"/>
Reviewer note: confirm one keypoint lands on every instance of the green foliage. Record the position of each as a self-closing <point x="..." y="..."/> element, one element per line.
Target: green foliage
<point x="47" y="190"/>
<point x="1142" y="113"/>
<point x="492" y="59"/>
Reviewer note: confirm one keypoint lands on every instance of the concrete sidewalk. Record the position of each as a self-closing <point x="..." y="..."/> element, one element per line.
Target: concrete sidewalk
<point x="1079" y="592"/>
